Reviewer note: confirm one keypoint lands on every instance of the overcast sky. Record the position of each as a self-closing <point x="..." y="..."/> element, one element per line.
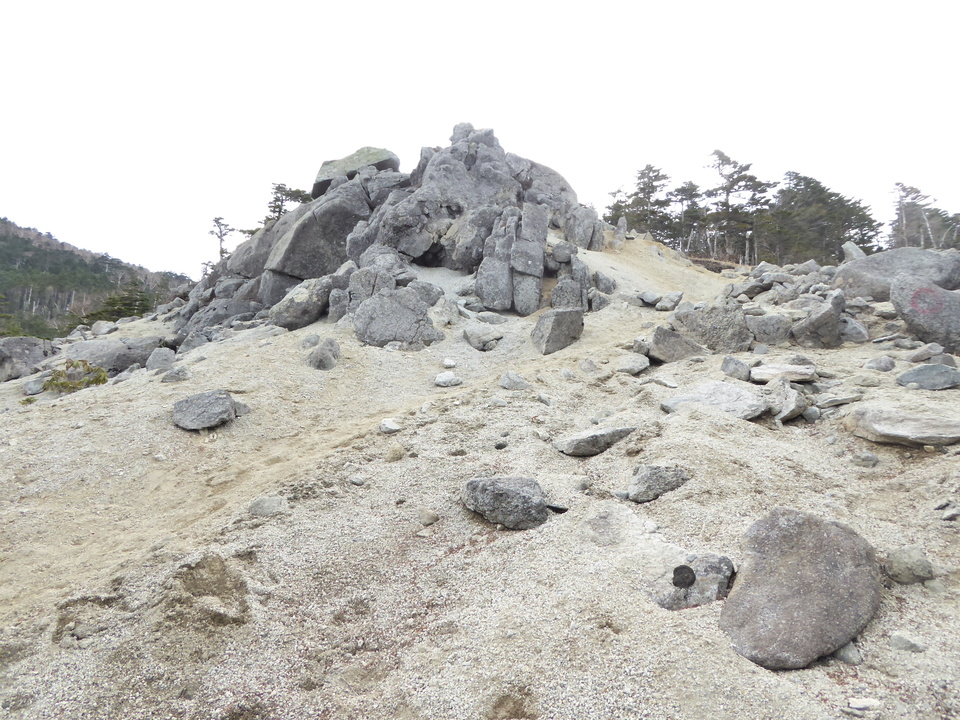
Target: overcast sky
<point x="126" y="127"/>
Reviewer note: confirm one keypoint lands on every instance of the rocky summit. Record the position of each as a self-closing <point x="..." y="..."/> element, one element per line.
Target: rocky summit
<point x="440" y="444"/>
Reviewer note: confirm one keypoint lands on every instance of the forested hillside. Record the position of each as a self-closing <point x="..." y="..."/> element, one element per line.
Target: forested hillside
<point x="47" y="285"/>
<point x="744" y="219"/>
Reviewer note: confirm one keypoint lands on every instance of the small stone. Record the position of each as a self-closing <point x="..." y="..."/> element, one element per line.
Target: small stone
<point x="447" y="379"/>
<point x="395" y="452"/>
<point x="513" y="381"/>
<point x="865" y="459"/>
<point x="500" y="445"/>
<point x="861" y="703"/>
<point x="267" y="506"/>
<point x="388" y="426"/>
<point x="849" y="654"/>
<point x="883" y="363"/>
<point x="901" y="641"/>
<point x="449" y="363"/>
<point x="358" y="481"/>
<point x="908" y="565"/>
<point x="427" y="517"/>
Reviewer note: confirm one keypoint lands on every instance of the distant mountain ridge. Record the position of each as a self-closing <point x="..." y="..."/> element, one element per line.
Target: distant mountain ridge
<point x="46" y="284"/>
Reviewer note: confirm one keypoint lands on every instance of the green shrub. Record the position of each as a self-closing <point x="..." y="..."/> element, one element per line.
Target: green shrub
<point x="75" y="375"/>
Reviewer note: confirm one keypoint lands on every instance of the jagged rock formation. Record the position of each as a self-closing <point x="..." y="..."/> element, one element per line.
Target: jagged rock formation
<point x="471" y="207"/>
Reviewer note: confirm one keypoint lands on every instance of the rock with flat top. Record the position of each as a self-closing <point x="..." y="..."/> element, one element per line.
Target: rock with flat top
<point x="895" y="426"/>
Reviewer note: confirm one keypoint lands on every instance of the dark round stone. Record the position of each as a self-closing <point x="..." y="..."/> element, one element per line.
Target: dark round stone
<point x="684" y="576"/>
<point x="500" y="445"/>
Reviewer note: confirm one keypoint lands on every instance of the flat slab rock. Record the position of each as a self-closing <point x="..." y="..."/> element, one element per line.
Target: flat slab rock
<point x="206" y="410"/>
<point x="895" y="426"/>
<point x="806" y="587"/>
<point x="592" y="442"/>
<point x="730" y="398"/>
<point x="517" y="503"/>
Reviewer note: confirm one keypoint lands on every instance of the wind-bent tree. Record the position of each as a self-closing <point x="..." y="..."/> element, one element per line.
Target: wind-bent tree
<point x="220" y="231"/>
<point x="918" y="223"/>
<point x="281" y="197"/>
<point x="738" y="198"/>
<point x="808" y="220"/>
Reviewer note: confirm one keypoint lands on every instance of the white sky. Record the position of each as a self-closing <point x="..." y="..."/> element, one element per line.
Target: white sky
<point x="126" y="126"/>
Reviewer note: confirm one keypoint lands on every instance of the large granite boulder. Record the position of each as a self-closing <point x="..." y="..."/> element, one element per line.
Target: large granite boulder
<point x="805" y="587"/>
<point x="871" y="276"/>
<point x="722" y="328"/>
<point x="352" y="164"/>
<point x="20" y="356"/>
<point x="395" y="316"/>
<point x="114" y="354"/>
<point x="316" y="244"/>
<point x="930" y="312"/>
<point x="669" y="346"/>
<point x="821" y="328"/>
<point x="250" y="257"/>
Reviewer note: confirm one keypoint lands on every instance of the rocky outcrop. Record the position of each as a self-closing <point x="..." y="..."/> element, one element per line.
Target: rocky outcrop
<point x="349" y="166"/>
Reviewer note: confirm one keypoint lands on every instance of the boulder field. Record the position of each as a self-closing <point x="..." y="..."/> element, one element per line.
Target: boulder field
<point x="440" y="445"/>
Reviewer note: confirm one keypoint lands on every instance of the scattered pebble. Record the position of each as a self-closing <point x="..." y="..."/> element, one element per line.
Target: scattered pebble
<point x="447" y="379"/>
<point x="901" y="641"/>
<point x="388" y="426"/>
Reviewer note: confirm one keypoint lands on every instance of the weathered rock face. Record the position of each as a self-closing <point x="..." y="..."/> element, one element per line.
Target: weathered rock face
<point x="871" y="276"/>
<point x="669" y="346"/>
<point x="349" y="166"/>
<point x="395" y="316"/>
<point x="821" y="328"/>
<point x="805" y="588"/>
<point x="316" y="244"/>
<point x="114" y="354"/>
<point x="21" y="356"/>
<point x="722" y="328"/>
<point x="514" y="502"/>
<point x="930" y="311"/>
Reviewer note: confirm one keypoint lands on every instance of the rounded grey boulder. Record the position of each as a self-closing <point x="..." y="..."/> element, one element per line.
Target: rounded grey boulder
<point x="806" y="587"/>
<point x="514" y="502"/>
<point x="204" y="410"/>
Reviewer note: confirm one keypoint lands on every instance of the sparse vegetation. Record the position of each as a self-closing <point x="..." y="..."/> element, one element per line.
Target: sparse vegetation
<point x="75" y="375"/>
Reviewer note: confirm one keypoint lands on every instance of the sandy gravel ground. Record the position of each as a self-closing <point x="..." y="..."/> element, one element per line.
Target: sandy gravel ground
<point x="135" y="583"/>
